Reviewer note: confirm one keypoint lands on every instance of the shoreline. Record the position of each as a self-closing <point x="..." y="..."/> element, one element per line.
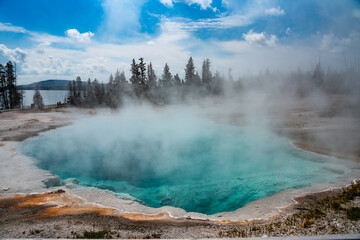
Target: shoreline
<point x="259" y="210"/>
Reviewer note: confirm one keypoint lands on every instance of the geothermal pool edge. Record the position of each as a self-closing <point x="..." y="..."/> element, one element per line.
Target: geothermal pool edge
<point x="23" y="176"/>
<point x="32" y="182"/>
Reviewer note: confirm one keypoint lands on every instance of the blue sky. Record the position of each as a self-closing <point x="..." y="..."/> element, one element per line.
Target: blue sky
<point x="91" y="38"/>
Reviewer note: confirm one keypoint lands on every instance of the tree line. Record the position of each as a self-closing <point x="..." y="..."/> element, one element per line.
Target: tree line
<point x="10" y="97"/>
<point x="144" y="84"/>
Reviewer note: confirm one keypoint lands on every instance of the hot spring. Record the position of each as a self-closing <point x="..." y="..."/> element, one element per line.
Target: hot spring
<point x="178" y="158"/>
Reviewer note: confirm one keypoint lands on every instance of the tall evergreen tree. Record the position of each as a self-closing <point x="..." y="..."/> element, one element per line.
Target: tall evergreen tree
<point x="78" y="91"/>
<point x="206" y="76"/>
<point x="177" y="80"/>
<point x="117" y="83"/>
<point x="13" y="94"/>
<point x="138" y="77"/>
<point x="74" y="89"/>
<point x="142" y="69"/>
<point x="123" y="81"/>
<point x="135" y="73"/>
<point x="102" y="93"/>
<point x="70" y="98"/>
<point x="110" y="92"/>
<point x="90" y="99"/>
<point x="197" y="79"/>
<point x="166" y="79"/>
<point x="37" y="99"/>
<point x="3" y="90"/>
<point x="230" y="77"/>
<point x="151" y="76"/>
<point x="217" y="86"/>
<point x="98" y="92"/>
<point x="124" y="89"/>
<point x="318" y="75"/>
<point x="190" y="72"/>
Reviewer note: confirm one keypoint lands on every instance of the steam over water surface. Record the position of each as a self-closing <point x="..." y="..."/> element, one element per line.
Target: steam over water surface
<point x="178" y="158"/>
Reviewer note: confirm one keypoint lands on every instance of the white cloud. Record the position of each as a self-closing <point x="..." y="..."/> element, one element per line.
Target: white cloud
<point x="168" y="3"/>
<point x="45" y="39"/>
<point x="79" y="37"/>
<point x="275" y="11"/>
<point x="44" y="66"/>
<point x="17" y="54"/>
<point x="237" y="18"/>
<point x="288" y="31"/>
<point x="6" y="27"/>
<point x="185" y="24"/>
<point x="204" y="4"/>
<point x="259" y="39"/>
<point x="334" y="44"/>
<point x="356" y="13"/>
<point x="62" y="64"/>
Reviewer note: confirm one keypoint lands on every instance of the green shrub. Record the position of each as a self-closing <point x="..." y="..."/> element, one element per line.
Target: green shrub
<point x="96" y="235"/>
<point x="353" y="213"/>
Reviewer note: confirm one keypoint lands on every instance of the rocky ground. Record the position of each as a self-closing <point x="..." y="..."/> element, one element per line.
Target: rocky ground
<point x="24" y="216"/>
<point x="331" y="212"/>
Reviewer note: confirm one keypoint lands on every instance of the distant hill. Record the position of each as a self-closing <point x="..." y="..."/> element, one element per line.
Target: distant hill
<point x="47" y="85"/>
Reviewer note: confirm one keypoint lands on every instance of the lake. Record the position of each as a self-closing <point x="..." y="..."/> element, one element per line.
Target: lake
<point x="49" y="96"/>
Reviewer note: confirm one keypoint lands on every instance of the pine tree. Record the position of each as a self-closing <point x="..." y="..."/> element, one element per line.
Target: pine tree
<point x="142" y="69"/>
<point x="124" y="89"/>
<point x="74" y="92"/>
<point x="318" y="75"/>
<point x="78" y="94"/>
<point x="206" y="77"/>
<point x="13" y="94"/>
<point x="166" y="79"/>
<point x="37" y="99"/>
<point x="102" y="93"/>
<point x="217" y="87"/>
<point x="3" y="87"/>
<point x="177" y="80"/>
<point x="190" y="72"/>
<point x="90" y="95"/>
<point x="110" y="92"/>
<point x="70" y="98"/>
<point x="230" y="77"/>
<point x="123" y="81"/>
<point x="197" y="79"/>
<point x="97" y="92"/>
<point x="135" y="73"/>
<point x="117" y="84"/>
<point x="138" y="77"/>
<point x="151" y="76"/>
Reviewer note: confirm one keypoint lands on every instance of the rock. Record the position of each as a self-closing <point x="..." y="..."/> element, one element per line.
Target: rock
<point x="126" y="196"/>
<point x="6" y="189"/>
<point x="52" y="181"/>
<point x="71" y="183"/>
<point x="59" y="191"/>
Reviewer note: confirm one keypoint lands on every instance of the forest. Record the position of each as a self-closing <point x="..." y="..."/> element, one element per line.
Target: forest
<point x="10" y="96"/>
<point x="145" y="85"/>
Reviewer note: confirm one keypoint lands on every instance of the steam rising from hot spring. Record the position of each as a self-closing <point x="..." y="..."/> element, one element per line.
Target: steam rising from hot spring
<point x="177" y="156"/>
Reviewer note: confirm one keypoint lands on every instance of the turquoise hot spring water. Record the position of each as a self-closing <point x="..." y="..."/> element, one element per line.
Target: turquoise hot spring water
<point x="177" y="159"/>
